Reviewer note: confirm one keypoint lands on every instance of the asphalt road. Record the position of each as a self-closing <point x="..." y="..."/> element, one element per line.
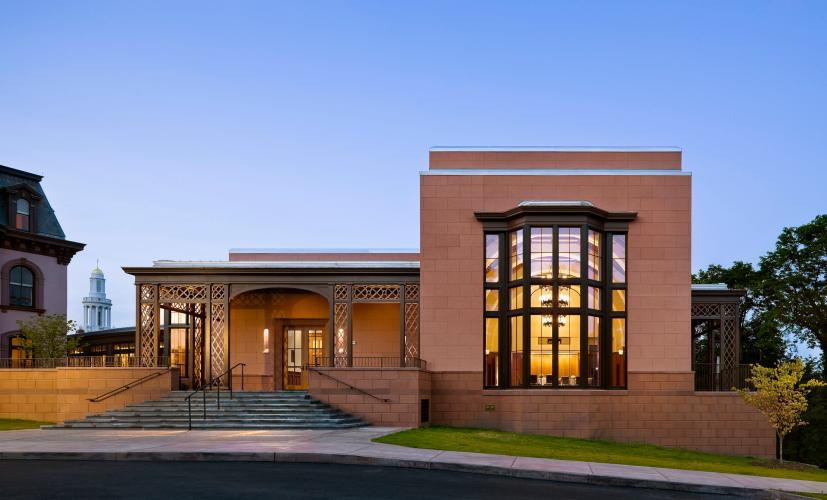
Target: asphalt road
<point x="208" y="480"/>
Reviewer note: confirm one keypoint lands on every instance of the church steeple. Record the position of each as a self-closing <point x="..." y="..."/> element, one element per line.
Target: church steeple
<point x="97" y="309"/>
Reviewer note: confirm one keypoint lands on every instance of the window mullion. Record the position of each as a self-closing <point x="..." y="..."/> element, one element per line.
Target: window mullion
<point x="584" y="318"/>
<point x="555" y="313"/>
<point x="526" y="306"/>
<point x="605" y="312"/>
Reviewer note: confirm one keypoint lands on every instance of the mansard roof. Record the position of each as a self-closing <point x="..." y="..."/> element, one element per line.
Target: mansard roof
<point x="13" y="179"/>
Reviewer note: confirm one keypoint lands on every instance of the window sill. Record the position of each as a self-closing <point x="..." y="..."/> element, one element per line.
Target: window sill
<point x="6" y="308"/>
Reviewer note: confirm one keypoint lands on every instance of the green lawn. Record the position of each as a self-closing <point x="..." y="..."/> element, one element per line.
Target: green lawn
<point x="13" y="425"/>
<point x="527" y="445"/>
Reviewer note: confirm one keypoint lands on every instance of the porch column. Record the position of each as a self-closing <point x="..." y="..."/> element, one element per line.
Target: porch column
<point x="402" y="325"/>
<point x="219" y="348"/>
<point x="147" y="323"/>
<point x="729" y="345"/>
<point x="342" y="324"/>
<point x="410" y="318"/>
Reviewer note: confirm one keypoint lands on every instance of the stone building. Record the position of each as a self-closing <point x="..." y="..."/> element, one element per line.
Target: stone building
<point x="551" y="294"/>
<point x="34" y="256"/>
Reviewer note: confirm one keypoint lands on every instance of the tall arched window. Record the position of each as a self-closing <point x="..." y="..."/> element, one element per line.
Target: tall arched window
<point x="21" y="287"/>
<point x="22" y="219"/>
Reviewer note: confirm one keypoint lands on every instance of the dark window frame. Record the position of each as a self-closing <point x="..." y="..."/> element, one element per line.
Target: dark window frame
<point x="13" y="286"/>
<point x="587" y="219"/>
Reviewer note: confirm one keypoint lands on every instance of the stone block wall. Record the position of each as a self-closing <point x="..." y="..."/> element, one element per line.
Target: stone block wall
<point x="404" y="387"/>
<point x="58" y="394"/>
<point x="663" y="410"/>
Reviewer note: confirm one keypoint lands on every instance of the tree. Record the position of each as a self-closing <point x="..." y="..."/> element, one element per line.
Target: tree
<point x="762" y="338"/>
<point x="796" y="281"/>
<point x="48" y="335"/>
<point x="781" y="396"/>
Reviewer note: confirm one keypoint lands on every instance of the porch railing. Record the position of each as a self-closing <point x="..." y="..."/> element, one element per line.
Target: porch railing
<point x="367" y="362"/>
<point x="713" y="377"/>
<point x="116" y="361"/>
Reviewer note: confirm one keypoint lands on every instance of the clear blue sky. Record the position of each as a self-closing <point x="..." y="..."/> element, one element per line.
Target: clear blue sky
<point x="180" y="129"/>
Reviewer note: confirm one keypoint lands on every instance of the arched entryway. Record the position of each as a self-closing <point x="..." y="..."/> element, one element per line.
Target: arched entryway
<point x="277" y="333"/>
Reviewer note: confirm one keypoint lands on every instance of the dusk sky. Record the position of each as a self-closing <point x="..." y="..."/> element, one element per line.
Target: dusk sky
<point x="177" y="130"/>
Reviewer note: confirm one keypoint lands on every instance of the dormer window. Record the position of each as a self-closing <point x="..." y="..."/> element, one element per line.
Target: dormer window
<point x="21" y="220"/>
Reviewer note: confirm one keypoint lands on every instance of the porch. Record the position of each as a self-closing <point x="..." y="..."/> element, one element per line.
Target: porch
<point x="279" y="320"/>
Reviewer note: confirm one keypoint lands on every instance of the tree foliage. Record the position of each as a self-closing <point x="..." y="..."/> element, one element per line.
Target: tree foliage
<point x="781" y="396"/>
<point x="48" y="335"/>
<point x="795" y="281"/>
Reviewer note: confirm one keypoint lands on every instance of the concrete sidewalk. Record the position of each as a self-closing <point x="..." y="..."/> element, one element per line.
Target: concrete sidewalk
<point x="354" y="446"/>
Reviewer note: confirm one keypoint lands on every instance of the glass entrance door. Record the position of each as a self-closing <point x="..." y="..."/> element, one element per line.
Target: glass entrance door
<point x="303" y="347"/>
<point x="293" y="358"/>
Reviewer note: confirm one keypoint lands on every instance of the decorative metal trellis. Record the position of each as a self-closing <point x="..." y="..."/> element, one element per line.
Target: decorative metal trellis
<point x="345" y="295"/>
<point x="341" y="345"/>
<point x="375" y="293"/>
<point x="719" y="319"/>
<point x="208" y="306"/>
<point x="411" y="332"/>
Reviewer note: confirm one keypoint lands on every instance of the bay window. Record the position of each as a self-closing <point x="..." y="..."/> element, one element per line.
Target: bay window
<point x="555" y="307"/>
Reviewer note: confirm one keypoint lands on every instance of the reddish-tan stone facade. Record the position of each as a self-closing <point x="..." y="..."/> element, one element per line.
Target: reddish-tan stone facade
<point x="659" y="404"/>
<point x="399" y="335"/>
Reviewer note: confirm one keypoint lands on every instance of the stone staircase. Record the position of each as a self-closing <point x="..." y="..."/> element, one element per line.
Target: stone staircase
<point x="247" y="410"/>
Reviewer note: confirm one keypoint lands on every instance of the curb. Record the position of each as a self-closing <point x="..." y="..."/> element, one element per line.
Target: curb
<point x="326" y="458"/>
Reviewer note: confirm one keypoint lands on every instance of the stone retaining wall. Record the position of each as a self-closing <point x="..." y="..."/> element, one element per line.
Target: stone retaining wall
<point x="58" y="394"/>
<point x="404" y="387"/>
<point x="664" y="411"/>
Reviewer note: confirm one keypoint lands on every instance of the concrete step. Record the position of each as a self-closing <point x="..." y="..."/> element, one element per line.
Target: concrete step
<point x="246" y="410"/>
<point x="244" y="421"/>
<point x="203" y="425"/>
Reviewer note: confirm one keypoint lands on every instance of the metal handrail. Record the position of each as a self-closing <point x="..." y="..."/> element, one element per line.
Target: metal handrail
<point x="123" y="360"/>
<point x="368" y="362"/>
<point x="208" y="385"/>
<point x="126" y="387"/>
<point x="366" y="393"/>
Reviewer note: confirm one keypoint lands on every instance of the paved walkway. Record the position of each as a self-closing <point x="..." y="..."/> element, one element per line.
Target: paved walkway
<point x="354" y="446"/>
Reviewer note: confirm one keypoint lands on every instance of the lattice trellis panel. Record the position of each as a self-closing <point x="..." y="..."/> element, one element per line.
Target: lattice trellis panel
<point x="341" y="348"/>
<point x="412" y="293"/>
<point x="147" y="292"/>
<point x="728" y="310"/>
<point x="198" y="345"/>
<point x="219" y="292"/>
<point x="340" y="293"/>
<point x="217" y="325"/>
<point x="706" y="310"/>
<point x="729" y="353"/>
<point x="411" y="332"/>
<point x="182" y="293"/>
<point x="375" y="293"/>
<point x="149" y="348"/>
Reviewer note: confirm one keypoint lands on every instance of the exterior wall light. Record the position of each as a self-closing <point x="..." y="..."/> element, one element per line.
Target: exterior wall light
<point x="341" y="339"/>
<point x="265" y="336"/>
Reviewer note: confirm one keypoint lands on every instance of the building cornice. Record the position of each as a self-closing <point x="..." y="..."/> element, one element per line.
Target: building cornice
<point x="24" y="241"/>
<point x="564" y="212"/>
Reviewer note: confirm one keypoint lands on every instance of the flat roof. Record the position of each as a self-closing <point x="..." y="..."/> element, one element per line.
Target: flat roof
<point x="324" y="250"/>
<point x="558" y="149"/>
<point x="297" y="264"/>
<point x="709" y="286"/>
<point x="567" y="172"/>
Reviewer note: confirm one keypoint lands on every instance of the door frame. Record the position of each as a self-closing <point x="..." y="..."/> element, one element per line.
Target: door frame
<point x="280" y="352"/>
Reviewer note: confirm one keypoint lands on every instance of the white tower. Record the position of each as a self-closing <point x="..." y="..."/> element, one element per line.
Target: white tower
<point x="97" y="309"/>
